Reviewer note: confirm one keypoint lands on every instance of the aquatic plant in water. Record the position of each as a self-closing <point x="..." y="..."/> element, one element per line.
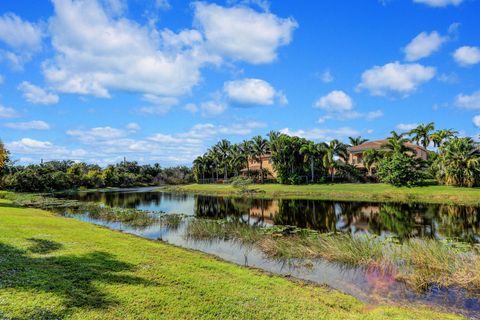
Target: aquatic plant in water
<point x="420" y="263"/>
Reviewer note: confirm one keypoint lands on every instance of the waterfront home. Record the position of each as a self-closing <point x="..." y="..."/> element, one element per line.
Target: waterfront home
<point x="355" y="153"/>
<point x="253" y="168"/>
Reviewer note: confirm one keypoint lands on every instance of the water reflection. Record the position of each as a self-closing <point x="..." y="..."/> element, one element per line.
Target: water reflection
<point x="383" y="219"/>
<point x="373" y="284"/>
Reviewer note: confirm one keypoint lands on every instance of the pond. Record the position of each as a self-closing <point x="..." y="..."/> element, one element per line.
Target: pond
<point x="400" y="221"/>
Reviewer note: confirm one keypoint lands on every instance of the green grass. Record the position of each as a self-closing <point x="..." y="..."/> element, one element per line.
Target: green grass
<point x="58" y="268"/>
<point x="348" y="191"/>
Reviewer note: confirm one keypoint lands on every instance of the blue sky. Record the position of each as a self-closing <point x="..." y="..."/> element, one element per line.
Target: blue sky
<point x="160" y="81"/>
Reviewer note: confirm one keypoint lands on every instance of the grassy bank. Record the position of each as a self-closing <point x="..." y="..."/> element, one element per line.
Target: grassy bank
<point x="351" y="192"/>
<point x="57" y="268"/>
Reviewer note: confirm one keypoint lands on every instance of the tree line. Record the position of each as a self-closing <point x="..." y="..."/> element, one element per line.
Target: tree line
<point x="67" y="174"/>
<point x="452" y="160"/>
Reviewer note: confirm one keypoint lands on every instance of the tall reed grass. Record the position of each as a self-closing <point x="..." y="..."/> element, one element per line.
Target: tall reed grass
<point x="420" y="263"/>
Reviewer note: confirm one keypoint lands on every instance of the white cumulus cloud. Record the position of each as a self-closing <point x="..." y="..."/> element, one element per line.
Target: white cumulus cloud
<point x="160" y="105"/>
<point x="95" y="134"/>
<point x="29" y="125"/>
<point x="37" y="95"/>
<point x="466" y="56"/>
<point x="43" y="149"/>
<point x="322" y="134"/>
<point x="19" y="34"/>
<point x="241" y="33"/>
<point x="476" y="121"/>
<point x="407" y="126"/>
<point x="252" y="91"/>
<point x="191" y="107"/>
<point x="6" y="112"/>
<point x="467" y="101"/>
<point x="97" y="53"/>
<point x="335" y="101"/>
<point x="439" y="3"/>
<point x="213" y="107"/>
<point x="395" y="77"/>
<point x="326" y="76"/>
<point x="423" y="45"/>
<point x="24" y="39"/>
<point x="373" y="115"/>
<point x="133" y="126"/>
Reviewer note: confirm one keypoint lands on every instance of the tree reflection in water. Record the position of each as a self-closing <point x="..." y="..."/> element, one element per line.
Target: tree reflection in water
<point x="388" y="219"/>
<point x="129" y="199"/>
<point x="383" y="219"/>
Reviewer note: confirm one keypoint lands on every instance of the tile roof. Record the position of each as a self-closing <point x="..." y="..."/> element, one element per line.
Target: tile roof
<point x="378" y="144"/>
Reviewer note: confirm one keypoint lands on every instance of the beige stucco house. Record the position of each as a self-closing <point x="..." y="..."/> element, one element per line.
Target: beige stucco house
<point x="355" y="153"/>
<point x="254" y="167"/>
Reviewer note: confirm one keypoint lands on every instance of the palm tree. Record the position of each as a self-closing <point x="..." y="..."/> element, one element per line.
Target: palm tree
<point x="246" y="148"/>
<point x="237" y="158"/>
<point x="459" y="163"/>
<point x="310" y="152"/>
<point x="440" y="136"/>
<point x="215" y="158"/>
<point x="397" y="143"/>
<point x="274" y="136"/>
<point x="371" y="158"/>
<point x="201" y="162"/>
<point x="224" y="149"/>
<point x="331" y="150"/>
<point x="356" y="141"/>
<point x="259" y="148"/>
<point x="421" y="134"/>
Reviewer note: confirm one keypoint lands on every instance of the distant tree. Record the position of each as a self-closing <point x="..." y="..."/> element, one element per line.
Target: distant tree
<point x="458" y="163"/>
<point x="397" y="143"/>
<point x="224" y="150"/>
<point x="310" y="152"/>
<point x="440" y="136"/>
<point x="247" y="151"/>
<point x="94" y="178"/>
<point x="274" y="137"/>
<point x="109" y="176"/>
<point x="356" y="141"/>
<point x="371" y="158"/>
<point x="288" y="160"/>
<point x="3" y="156"/>
<point x="259" y="149"/>
<point x="400" y="169"/>
<point x="331" y="150"/>
<point x="200" y="164"/>
<point x="237" y="159"/>
<point x="421" y="134"/>
<point x="215" y="158"/>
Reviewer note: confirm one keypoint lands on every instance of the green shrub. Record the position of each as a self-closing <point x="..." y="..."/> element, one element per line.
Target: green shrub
<point x="241" y="183"/>
<point x="400" y="169"/>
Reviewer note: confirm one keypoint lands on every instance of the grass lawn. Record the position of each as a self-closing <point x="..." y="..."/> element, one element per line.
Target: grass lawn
<point x="56" y="268"/>
<point x="350" y="191"/>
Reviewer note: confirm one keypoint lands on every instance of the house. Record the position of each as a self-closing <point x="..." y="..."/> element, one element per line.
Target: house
<point x="355" y="153"/>
<point x="254" y="167"/>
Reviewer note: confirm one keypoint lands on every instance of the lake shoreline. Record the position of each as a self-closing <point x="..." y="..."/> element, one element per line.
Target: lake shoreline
<point x="342" y="192"/>
<point x="35" y="239"/>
